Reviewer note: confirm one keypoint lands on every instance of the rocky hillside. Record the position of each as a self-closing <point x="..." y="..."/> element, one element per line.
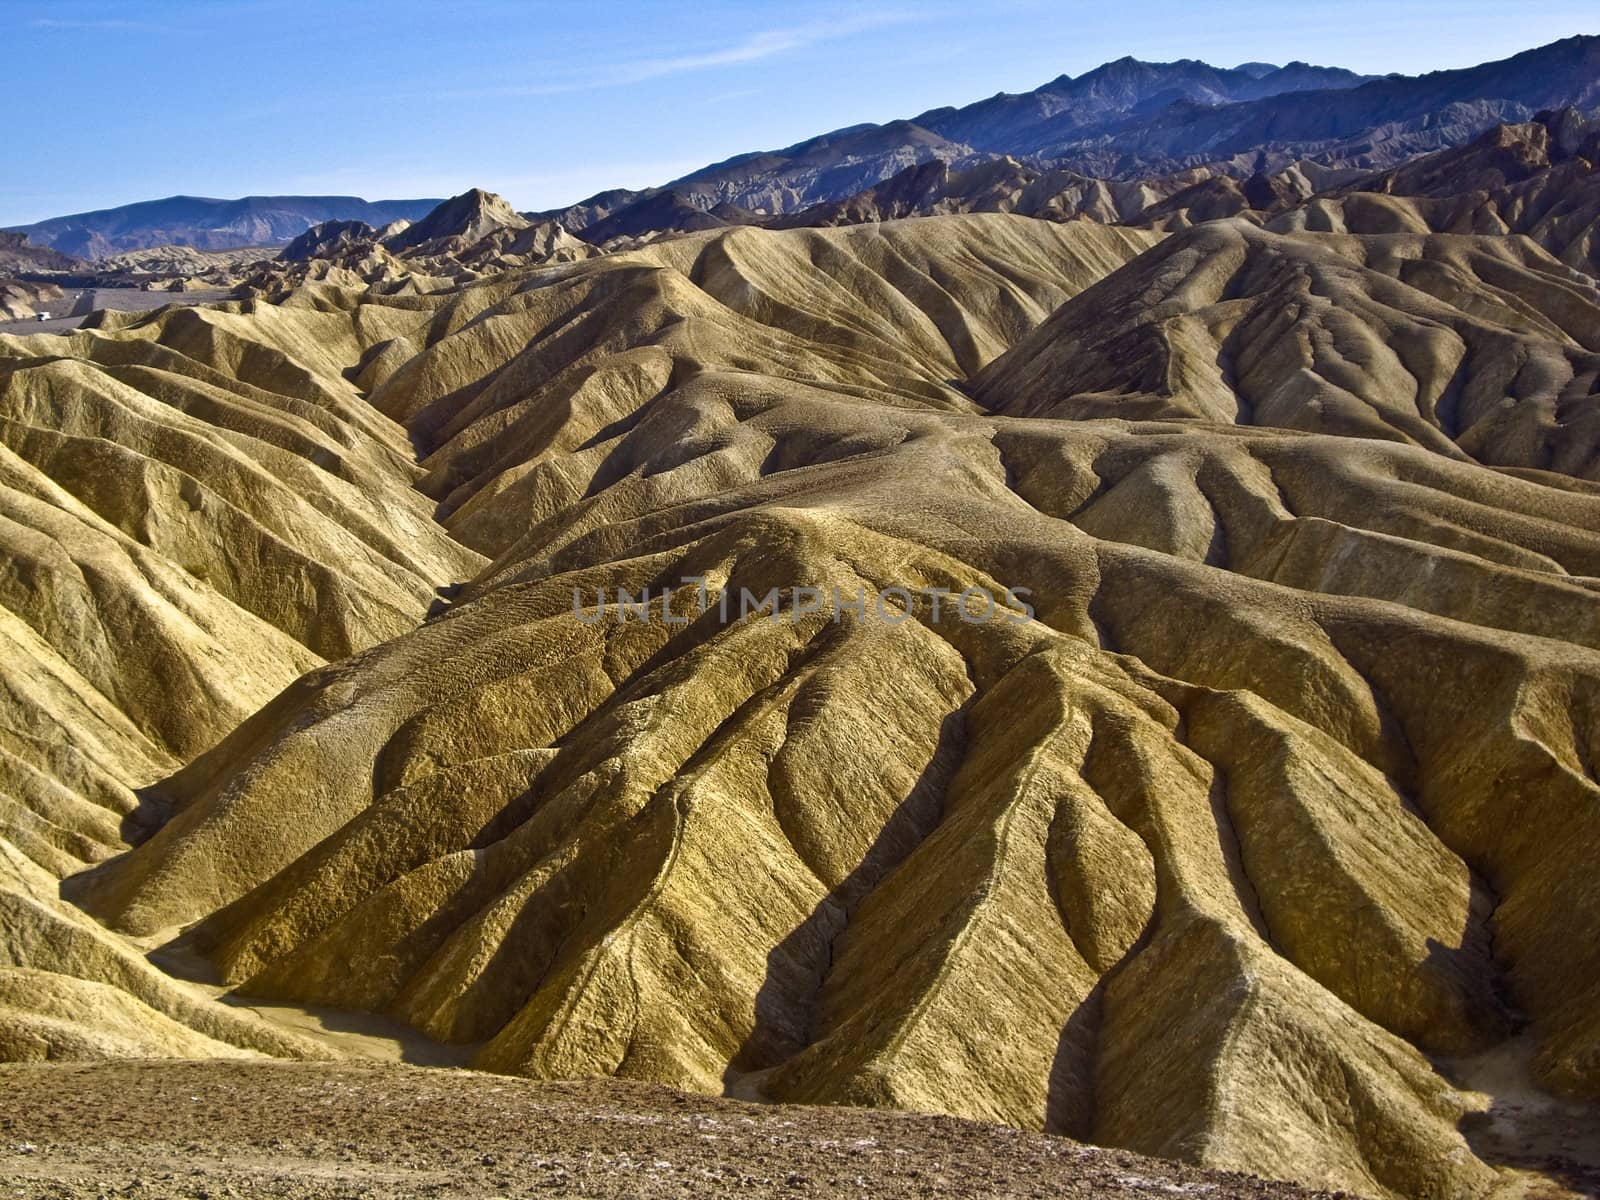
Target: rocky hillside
<point x="1536" y="178"/>
<point x="19" y="255"/>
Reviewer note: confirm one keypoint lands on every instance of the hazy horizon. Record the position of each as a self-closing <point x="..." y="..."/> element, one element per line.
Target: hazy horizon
<point x="547" y="106"/>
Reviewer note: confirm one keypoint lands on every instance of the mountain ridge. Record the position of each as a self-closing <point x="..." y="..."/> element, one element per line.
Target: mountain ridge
<point x="1128" y="119"/>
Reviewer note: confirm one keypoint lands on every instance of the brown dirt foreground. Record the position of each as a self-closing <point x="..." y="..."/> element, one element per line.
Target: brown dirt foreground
<point x="213" y="1129"/>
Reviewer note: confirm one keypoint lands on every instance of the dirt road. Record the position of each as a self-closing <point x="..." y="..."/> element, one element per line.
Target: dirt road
<point x="69" y="313"/>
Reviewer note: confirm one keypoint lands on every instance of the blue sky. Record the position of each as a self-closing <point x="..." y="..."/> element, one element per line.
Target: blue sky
<point x="120" y="100"/>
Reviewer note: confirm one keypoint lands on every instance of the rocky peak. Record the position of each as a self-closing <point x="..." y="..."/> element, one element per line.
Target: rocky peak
<point x="327" y="239"/>
<point x="469" y="217"/>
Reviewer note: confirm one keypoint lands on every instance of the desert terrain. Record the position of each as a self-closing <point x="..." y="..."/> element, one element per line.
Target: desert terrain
<point x="1113" y="668"/>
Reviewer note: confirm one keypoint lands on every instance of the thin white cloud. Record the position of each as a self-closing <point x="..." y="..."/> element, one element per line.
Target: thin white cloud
<point x="754" y="48"/>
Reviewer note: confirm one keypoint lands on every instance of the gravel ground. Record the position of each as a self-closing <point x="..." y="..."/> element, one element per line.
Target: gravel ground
<point x="264" y="1129"/>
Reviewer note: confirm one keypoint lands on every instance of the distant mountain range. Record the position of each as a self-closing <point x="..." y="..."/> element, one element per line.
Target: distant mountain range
<point x="1126" y="120"/>
<point x="210" y="224"/>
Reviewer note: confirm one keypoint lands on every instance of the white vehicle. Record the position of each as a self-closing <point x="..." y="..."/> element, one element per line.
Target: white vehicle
<point x="44" y="316"/>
